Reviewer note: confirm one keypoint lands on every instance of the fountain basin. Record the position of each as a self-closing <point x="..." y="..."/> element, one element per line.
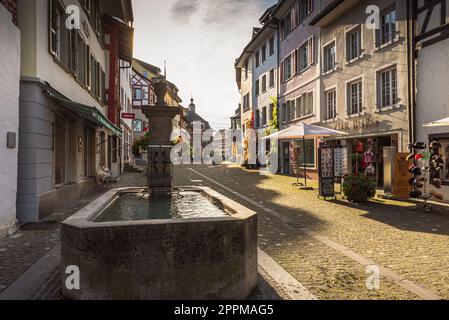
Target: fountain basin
<point x="161" y="259"/>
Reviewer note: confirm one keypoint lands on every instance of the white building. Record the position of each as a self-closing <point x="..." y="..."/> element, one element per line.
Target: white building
<point x="9" y="119"/>
<point x="265" y="76"/>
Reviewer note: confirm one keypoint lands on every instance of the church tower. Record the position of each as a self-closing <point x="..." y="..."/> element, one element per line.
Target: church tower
<point x="192" y="107"/>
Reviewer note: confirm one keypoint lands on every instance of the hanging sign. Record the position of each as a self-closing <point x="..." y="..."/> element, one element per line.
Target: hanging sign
<point x="326" y="171"/>
<point x="341" y="168"/>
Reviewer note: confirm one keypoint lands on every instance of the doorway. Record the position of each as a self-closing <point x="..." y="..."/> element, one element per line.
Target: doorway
<point x="60" y="149"/>
<point x="286" y="158"/>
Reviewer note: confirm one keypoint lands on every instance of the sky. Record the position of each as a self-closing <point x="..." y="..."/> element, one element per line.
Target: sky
<point x="200" y="40"/>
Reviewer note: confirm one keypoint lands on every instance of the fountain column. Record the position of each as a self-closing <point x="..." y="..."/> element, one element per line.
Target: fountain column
<point x="160" y="118"/>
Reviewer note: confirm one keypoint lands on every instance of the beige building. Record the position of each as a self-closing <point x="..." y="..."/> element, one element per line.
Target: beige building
<point x="364" y="78"/>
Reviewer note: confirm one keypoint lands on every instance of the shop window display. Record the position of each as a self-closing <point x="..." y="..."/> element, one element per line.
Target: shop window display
<point x="427" y="167"/>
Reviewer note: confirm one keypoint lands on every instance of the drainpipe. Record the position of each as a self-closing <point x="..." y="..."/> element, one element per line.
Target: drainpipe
<point x="411" y="60"/>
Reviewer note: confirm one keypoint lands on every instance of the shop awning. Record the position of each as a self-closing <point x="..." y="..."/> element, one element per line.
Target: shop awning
<point x="90" y="113"/>
<point x="303" y="130"/>
<point x="439" y="123"/>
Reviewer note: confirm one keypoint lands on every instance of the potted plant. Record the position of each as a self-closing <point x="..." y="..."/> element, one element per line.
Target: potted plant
<point x="358" y="188"/>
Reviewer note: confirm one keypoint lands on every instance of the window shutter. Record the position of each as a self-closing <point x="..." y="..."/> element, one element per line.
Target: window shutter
<point x="311" y="53"/>
<point x="88" y="67"/>
<point x="53" y="27"/>
<point x="295" y="64"/>
<point x="310" y="6"/>
<point x="282" y="28"/>
<point x="296" y="14"/>
<point x="92" y="73"/>
<point x="103" y="88"/>
<point x="282" y="71"/>
<point x="73" y="51"/>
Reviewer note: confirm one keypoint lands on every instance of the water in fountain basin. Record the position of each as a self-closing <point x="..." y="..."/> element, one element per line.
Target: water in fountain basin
<point x="177" y="205"/>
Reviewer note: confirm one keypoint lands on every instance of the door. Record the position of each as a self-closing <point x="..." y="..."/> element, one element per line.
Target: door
<point x="286" y="158"/>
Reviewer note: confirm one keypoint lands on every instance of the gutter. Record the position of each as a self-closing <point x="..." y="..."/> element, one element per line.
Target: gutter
<point x="325" y="12"/>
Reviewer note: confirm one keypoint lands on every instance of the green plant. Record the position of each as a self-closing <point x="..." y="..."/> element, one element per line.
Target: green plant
<point x="141" y="143"/>
<point x="359" y="188"/>
<point x="273" y="123"/>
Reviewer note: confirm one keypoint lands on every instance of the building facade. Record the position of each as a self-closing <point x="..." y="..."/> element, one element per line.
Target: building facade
<point x="244" y="68"/>
<point x="265" y="75"/>
<point x="9" y="114"/>
<point x="69" y="101"/>
<point x="143" y="94"/>
<point x="432" y="67"/>
<point x="364" y="79"/>
<point x="126" y="122"/>
<point x="299" y="83"/>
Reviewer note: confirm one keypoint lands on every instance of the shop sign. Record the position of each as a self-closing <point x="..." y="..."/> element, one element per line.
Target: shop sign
<point x="130" y="116"/>
<point x="326" y="171"/>
<point x="401" y="176"/>
<point x="357" y="124"/>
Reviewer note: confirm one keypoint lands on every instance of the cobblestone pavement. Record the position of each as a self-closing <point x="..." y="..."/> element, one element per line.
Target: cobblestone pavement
<point x="412" y="244"/>
<point x="19" y="252"/>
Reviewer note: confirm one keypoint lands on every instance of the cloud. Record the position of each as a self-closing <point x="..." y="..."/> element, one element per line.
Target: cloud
<point x="182" y="10"/>
<point x="215" y="12"/>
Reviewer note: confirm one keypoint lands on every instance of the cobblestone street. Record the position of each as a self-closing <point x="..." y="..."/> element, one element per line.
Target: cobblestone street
<point x="325" y="246"/>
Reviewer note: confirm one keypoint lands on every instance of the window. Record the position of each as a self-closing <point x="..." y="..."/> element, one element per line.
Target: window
<point x="264" y="53"/>
<point x="309" y="104"/>
<point x="264" y="83"/>
<point x="270" y="116"/>
<point x="354" y="44"/>
<point x="331" y="104"/>
<point x="307" y="154"/>
<point x="257" y="57"/>
<point x="304" y="105"/>
<point x="272" y="78"/>
<point x="329" y="57"/>
<point x="287" y="67"/>
<point x="59" y="34"/>
<point x="305" y="8"/>
<point x="303" y="57"/>
<point x="387" y="32"/>
<point x="257" y="87"/>
<point x="137" y="125"/>
<point x="355" y="96"/>
<point x="271" y="46"/>
<point x="387" y="84"/>
<point x="137" y="94"/>
<point x="291" y="110"/>
<point x="246" y="102"/>
<point x="284" y="112"/>
<point x="257" y="119"/>
<point x="264" y="116"/>
<point x="286" y="24"/>
<point x="246" y="69"/>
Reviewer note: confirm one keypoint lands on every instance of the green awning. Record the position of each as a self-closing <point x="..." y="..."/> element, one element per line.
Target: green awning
<point x="91" y="113"/>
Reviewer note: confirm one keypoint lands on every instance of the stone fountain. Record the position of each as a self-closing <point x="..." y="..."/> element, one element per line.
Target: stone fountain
<point x="161" y="242"/>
